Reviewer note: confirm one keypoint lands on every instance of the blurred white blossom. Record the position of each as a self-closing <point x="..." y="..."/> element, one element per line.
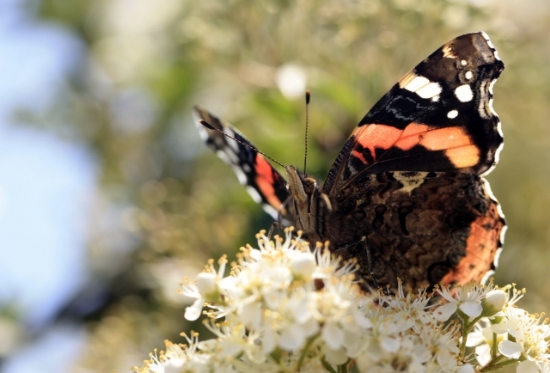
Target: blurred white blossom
<point x="291" y="80"/>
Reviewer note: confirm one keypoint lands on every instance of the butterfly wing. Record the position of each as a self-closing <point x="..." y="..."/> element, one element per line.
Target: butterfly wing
<point x="409" y="183"/>
<point x="262" y="181"/>
<point x="438" y="117"/>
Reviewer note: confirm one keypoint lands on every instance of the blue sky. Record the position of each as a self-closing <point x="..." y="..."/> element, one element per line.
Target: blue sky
<point x="46" y="186"/>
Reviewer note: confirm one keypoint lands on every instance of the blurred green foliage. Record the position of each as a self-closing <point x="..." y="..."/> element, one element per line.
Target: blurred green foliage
<point x="147" y="63"/>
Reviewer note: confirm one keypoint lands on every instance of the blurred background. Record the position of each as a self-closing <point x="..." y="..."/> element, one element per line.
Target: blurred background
<point x="108" y="197"/>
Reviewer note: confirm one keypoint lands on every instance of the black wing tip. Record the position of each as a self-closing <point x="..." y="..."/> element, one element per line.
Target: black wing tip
<point x="202" y="115"/>
<point x="207" y="125"/>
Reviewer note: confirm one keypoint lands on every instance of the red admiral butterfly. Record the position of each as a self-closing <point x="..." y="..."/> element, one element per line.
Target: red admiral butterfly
<point x="406" y="195"/>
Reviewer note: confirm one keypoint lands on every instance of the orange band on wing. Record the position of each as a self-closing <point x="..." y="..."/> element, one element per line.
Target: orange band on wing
<point x="463" y="156"/>
<point x="412" y="135"/>
<point x="265" y="182"/>
<point x="456" y="143"/>
<point x="481" y="247"/>
<point x="376" y="136"/>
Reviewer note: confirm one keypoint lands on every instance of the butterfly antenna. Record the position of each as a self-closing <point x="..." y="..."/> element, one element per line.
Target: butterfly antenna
<point x="210" y="127"/>
<point x="308" y="96"/>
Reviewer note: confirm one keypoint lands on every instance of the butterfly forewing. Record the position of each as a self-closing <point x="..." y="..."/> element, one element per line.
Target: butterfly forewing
<point x="438" y="117"/>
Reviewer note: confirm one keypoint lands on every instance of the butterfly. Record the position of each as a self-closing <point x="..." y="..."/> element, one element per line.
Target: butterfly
<point x="406" y="196"/>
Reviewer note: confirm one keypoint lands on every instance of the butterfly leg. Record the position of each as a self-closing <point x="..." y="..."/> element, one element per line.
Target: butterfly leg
<point x="369" y="261"/>
<point x="370" y="268"/>
<point x="275" y="225"/>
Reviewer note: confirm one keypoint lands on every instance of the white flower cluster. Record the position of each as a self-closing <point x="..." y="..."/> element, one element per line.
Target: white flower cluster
<point x="284" y="308"/>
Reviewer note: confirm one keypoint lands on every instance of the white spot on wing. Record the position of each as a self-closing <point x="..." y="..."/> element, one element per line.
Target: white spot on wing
<point x="203" y="134"/>
<point x="464" y="93"/>
<point x="255" y="195"/>
<point x="468" y="75"/>
<point x="241" y="176"/>
<point x="417" y="83"/>
<point x="463" y="62"/>
<point x="430" y="90"/>
<point x="228" y="156"/>
<point x="452" y="114"/>
<point x="423" y="87"/>
<point x="232" y="143"/>
<point x="271" y="211"/>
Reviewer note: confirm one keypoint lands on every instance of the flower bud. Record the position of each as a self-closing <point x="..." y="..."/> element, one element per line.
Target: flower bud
<point x="493" y="302"/>
<point x="303" y="264"/>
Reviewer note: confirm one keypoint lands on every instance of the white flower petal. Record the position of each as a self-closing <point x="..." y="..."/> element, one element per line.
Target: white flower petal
<point x="483" y="354"/>
<point x="193" y="312"/>
<point x="303" y="264"/>
<point x="499" y="328"/>
<point x="390" y="344"/>
<point x="156" y="368"/>
<point x="336" y="356"/>
<point x="292" y="338"/>
<point x="471" y="309"/>
<point x="510" y="349"/>
<point x="255" y="254"/>
<point x="476" y="337"/>
<point x="466" y="368"/>
<point x="206" y="283"/>
<point x="310" y="327"/>
<point x="513" y="327"/>
<point x="251" y="315"/>
<point x="333" y="335"/>
<point x="269" y="340"/>
<point x="361" y="318"/>
<point x="228" y="348"/>
<point x="231" y="286"/>
<point x="274" y="299"/>
<point x="445" y="311"/>
<point x="445" y="359"/>
<point x="527" y="366"/>
<point x="353" y="342"/>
